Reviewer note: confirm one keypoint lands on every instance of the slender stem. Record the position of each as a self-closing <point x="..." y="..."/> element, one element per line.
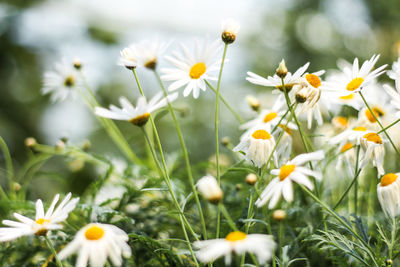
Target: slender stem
<point x="216" y="128"/>
<point x="51" y="247"/>
<point x="347" y="190"/>
<point x="9" y="167"/>
<point x="393" y="238"/>
<point x="231" y="109"/>
<point x="380" y="124"/>
<point x="356" y="182"/>
<point x="227" y="217"/>
<point x="186" y="157"/>
<point x="249" y="216"/>
<point x="282" y="118"/>
<point x="389" y="126"/>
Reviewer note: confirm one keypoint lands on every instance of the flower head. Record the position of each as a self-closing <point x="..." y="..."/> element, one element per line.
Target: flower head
<point x="230" y="28"/>
<point x="191" y="70"/>
<point x="236" y="242"/>
<point x="374" y="150"/>
<point x="292" y="171"/>
<point x="43" y="222"/>
<point x="138" y="115"/>
<point x="95" y="243"/>
<point x="388" y="191"/>
<point x="209" y="188"/>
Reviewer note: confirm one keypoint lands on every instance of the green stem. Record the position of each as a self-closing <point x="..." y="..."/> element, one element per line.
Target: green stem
<point x="231" y="109"/>
<point x="389" y="126"/>
<point x="228" y="217"/>
<point x="51" y="247"/>
<point x="356" y="182"/>
<point x="216" y="128"/>
<point x="9" y="168"/>
<point x="393" y="238"/>
<point x="249" y="216"/>
<point x="380" y="124"/>
<point x="186" y="157"/>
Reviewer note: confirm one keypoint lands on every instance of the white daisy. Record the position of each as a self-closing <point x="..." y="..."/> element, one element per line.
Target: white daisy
<point x="138" y="115"/>
<point x="191" y="70"/>
<point x="394" y="73"/>
<point x="95" y="243"/>
<point x="145" y="53"/>
<point x="346" y="158"/>
<point x="257" y="146"/>
<point x="395" y="97"/>
<point x="292" y="171"/>
<point x="62" y="82"/>
<point x="276" y="81"/>
<point x="388" y="191"/>
<point x="284" y="148"/>
<point x="230" y="29"/>
<point x="352" y="135"/>
<point x="355" y="78"/>
<point x="374" y="150"/>
<point x="236" y="242"/>
<point x="43" y="222"/>
<point x="209" y="189"/>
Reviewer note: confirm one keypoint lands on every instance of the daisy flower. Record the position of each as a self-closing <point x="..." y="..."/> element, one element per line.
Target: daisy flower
<point x="209" y="189"/>
<point x="95" y="243"/>
<point x="257" y="146"/>
<point x="292" y="171"/>
<point x="138" y="115"/>
<point x="355" y="78"/>
<point x="346" y="158"/>
<point x="61" y="82"/>
<point x="395" y="97"/>
<point x="43" y="222"/>
<point x="388" y="191"/>
<point x="284" y="148"/>
<point x="191" y="70"/>
<point x="276" y="81"/>
<point x="352" y="134"/>
<point x="144" y="53"/>
<point x="394" y="73"/>
<point x="236" y="242"/>
<point x="374" y="150"/>
<point x="230" y="28"/>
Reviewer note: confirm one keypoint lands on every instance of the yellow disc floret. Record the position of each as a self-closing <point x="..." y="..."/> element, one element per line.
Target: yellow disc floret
<point x="94" y="232"/>
<point x="42" y="221"/>
<point x="314" y="80"/>
<point x="342" y="121"/>
<point x="388" y="179"/>
<point x="197" y="70"/>
<point x="346" y="97"/>
<point x="285" y="171"/>
<point x="377" y="112"/>
<point x="235" y="236"/>
<point x="346" y="147"/>
<point x="261" y="134"/>
<point x="270" y="116"/>
<point x="373" y="137"/>
<point x="359" y="129"/>
<point x="354" y="84"/>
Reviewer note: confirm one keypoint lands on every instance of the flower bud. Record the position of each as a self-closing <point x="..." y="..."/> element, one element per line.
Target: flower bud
<point x="253" y="102"/>
<point x="230" y="28"/>
<point x="151" y="64"/>
<point x="282" y="70"/>
<point x="60" y="145"/>
<point x="301" y="95"/>
<point x="30" y="142"/>
<point x="77" y="64"/>
<point x="17" y="187"/>
<point x="279" y="215"/>
<point x="251" y="179"/>
<point x="225" y="141"/>
<point x="209" y="189"/>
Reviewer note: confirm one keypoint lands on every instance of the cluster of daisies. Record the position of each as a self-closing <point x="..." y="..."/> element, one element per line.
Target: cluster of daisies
<point x="266" y="142"/>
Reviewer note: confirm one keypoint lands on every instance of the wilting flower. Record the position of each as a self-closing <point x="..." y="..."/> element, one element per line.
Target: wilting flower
<point x="257" y="146"/>
<point x="236" y="242"/>
<point x="355" y="78"/>
<point x="209" y="188"/>
<point x="292" y="171"/>
<point x="389" y="194"/>
<point x="230" y="29"/>
<point x="138" y="115"/>
<point x="145" y="53"/>
<point x="62" y="82"/>
<point x="43" y="222"/>
<point x="374" y="150"/>
<point x="276" y="81"/>
<point x="191" y="70"/>
<point x="95" y="243"/>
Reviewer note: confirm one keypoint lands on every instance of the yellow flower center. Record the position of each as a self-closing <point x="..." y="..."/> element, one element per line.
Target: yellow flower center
<point x="261" y="134"/>
<point x="388" y="179"/>
<point x="140" y="120"/>
<point x="359" y="129"/>
<point x="69" y="81"/>
<point x="346" y="97"/>
<point x="346" y="147"/>
<point x="314" y="80"/>
<point x="373" y="137"/>
<point x="94" y="232"/>
<point x="197" y="70"/>
<point x="42" y="221"/>
<point x="285" y="171"/>
<point x="270" y="116"/>
<point x="377" y="111"/>
<point x="287" y="130"/>
<point x="341" y="120"/>
<point x="354" y="84"/>
<point x="235" y="236"/>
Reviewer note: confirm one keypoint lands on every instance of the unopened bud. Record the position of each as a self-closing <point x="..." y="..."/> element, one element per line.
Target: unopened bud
<point x="230" y="28"/>
<point x="251" y="179"/>
<point x="16" y="187"/>
<point x="30" y="142"/>
<point x="238" y="187"/>
<point x="301" y="95"/>
<point x="209" y="189"/>
<point x="225" y="141"/>
<point x="389" y="262"/>
<point x="279" y="215"/>
<point x="60" y="145"/>
<point x="77" y="64"/>
<point x="253" y="102"/>
<point x="282" y="70"/>
<point x="76" y="165"/>
<point x="86" y="145"/>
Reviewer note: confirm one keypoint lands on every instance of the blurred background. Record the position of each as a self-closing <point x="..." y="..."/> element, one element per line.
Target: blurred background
<point x="35" y="35"/>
